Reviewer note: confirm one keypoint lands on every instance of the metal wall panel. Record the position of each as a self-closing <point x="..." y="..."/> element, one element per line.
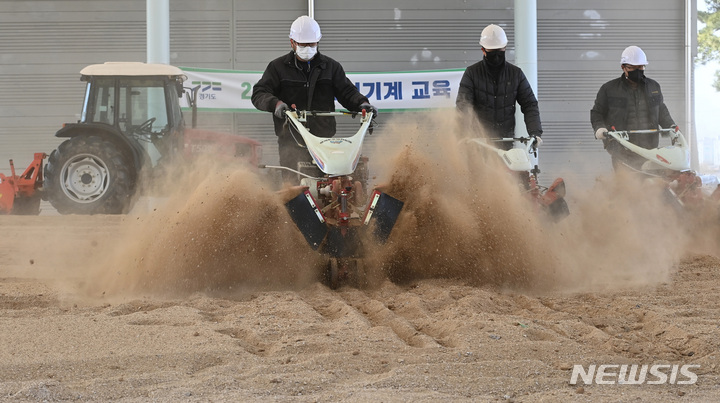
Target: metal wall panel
<point x="44" y="44"/>
<point x="365" y="36"/>
<point x="408" y="34"/>
<point x="579" y="48"/>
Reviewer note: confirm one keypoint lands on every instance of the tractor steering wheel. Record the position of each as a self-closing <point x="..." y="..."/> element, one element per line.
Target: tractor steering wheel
<point x="145" y="127"/>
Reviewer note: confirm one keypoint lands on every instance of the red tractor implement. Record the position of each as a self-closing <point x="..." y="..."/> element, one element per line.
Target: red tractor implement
<point x="20" y="195"/>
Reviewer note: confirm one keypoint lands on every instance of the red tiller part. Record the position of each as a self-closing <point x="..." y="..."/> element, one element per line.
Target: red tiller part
<point x="23" y="186"/>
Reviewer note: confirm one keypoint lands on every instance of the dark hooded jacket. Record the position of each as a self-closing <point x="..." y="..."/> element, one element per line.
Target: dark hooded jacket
<point x="617" y="99"/>
<point x="310" y="85"/>
<point x="493" y="99"/>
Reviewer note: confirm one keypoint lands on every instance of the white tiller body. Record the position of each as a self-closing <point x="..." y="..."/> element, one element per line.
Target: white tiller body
<point x="335" y="156"/>
<point x="675" y="157"/>
<point x="516" y="159"/>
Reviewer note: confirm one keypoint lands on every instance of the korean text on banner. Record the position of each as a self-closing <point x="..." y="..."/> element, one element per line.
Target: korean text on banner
<point x="231" y="90"/>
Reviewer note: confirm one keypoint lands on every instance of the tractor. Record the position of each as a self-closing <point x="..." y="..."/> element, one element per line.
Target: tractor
<point x="131" y="128"/>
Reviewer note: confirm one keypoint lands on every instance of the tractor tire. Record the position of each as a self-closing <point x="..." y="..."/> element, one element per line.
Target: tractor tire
<point x="89" y="175"/>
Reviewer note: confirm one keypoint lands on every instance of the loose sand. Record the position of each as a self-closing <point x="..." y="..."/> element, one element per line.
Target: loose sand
<point x="211" y="294"/>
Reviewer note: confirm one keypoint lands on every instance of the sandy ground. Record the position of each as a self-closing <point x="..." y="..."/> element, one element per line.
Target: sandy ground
<point x="426" y="340"/>
<point x="214" y="296"/>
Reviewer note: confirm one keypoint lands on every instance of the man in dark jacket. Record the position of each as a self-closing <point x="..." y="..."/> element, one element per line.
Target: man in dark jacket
<point x="630" y="102"/>
<point x="310" y="81"/>
<point x="492" y="87"/>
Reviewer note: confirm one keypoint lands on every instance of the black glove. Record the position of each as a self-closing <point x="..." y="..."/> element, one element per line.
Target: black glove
<point x="280" y="110"/>
<point x="369" y="108"/>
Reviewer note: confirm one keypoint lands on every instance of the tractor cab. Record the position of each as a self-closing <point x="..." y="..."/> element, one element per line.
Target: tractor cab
<point x="137" y="100"/>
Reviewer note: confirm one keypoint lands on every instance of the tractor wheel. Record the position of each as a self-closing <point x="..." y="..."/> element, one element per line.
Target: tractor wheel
<point x="88" y="175"/>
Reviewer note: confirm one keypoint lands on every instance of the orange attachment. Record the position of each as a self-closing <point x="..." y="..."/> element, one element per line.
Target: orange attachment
<point x="7" y="194"/>
<point x="25" y="186"/>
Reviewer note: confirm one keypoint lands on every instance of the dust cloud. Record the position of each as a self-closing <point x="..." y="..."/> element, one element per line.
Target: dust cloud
<point x="462" y="217"/>
<point x="224" y="229"/>
<point x="221" y="230"/>
<point x="465" y="217"/>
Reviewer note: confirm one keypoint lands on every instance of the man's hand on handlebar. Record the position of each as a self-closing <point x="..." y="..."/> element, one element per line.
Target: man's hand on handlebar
<point x="369" y="108"/>
<point x="280" y="110"/>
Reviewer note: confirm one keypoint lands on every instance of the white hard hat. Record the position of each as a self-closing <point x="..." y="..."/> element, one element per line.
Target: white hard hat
<point x="633" y="55"/>
<point x="493" y="37"/>
<point x="305" y="30"/>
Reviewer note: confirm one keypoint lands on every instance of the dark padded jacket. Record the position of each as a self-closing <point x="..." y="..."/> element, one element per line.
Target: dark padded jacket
<point x="284" y="80"/>
<point x="494" y="102"/>
<point x="613" y="103"/>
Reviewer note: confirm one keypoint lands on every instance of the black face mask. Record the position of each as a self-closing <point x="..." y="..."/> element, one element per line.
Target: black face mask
<point x="636" y="76"/>
<point x="495" y="58"/>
